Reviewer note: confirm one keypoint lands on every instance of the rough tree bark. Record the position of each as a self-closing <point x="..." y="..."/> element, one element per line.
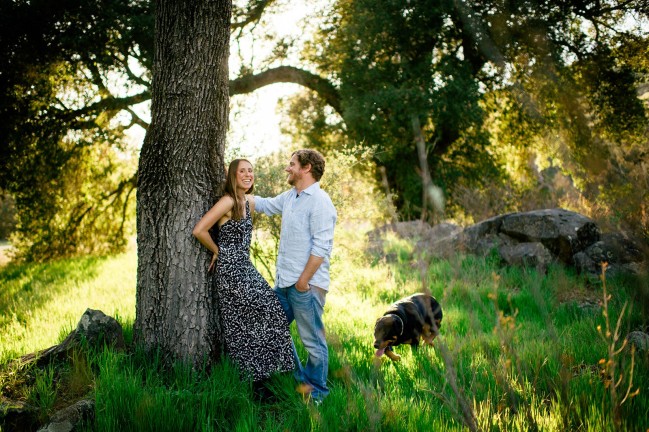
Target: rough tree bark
<point x="181" y="168"/>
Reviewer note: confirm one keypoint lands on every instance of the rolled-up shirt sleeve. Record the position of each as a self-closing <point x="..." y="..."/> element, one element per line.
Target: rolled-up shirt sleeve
<point x="322" y="223"/>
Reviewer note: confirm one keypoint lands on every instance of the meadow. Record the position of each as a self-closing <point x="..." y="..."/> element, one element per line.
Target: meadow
<point x="518" y="351"/>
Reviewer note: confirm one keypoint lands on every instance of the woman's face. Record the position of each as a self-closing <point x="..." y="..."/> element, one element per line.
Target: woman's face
<point x="245" y="176"/>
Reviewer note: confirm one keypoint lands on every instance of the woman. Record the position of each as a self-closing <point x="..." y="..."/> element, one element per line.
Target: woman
<point x="255" y="328"/>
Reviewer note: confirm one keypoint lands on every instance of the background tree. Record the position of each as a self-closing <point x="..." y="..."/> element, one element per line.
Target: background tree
<point x="75" y="75"/>
<point x="544" y="79"/>
<point x="67" y="87"/>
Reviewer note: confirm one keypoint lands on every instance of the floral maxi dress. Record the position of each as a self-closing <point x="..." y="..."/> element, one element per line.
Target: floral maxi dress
<point x="254" y="325"/>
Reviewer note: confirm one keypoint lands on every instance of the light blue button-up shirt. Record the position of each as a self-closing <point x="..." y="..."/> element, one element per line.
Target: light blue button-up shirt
<point x="308" y="222"/>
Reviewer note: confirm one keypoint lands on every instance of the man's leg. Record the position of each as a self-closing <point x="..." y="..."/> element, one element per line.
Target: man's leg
<point x="282" y="295"/>
<point x="307" y="311"/>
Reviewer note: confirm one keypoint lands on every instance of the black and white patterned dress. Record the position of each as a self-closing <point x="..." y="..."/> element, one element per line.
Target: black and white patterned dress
<point x="255" y="328"/>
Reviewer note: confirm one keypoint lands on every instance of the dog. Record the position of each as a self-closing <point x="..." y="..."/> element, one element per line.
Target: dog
<point x="407" y="322"/>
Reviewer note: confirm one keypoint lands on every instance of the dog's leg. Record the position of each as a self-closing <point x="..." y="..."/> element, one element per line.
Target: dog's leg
<point x="393" y="356"/>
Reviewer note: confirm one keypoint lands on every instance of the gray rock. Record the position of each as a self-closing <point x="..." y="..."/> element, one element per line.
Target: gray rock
<point x="94" y="329"/>
<point x="562" y="232"/>
<point x="71" y="418"/>
<point x="443" y="230"/>
<point x="535" y="238"/>
<point x="640" y="340"/>
<point x="527" y="255"/>
<point x="622" y="255"/>
<point x="481" y="236"/>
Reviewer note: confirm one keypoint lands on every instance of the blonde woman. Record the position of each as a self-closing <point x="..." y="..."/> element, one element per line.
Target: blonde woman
<point x="254" y="324"/>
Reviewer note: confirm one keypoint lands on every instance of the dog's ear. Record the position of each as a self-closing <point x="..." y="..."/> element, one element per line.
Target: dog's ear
<point x="378" y="327"/>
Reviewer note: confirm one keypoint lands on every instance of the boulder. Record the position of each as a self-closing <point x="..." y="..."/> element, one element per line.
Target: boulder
<point x="622" y="255"/>
<point x="562" y="232"/>
<point x="535" y="238"/>
<point x="640" y="340"/>
<point x="71" y="418"/>
<point x="527" y="255"/>
<point x="482" y="236"/>
<point x="442" y="230"/>
<point x="94" y="329"/>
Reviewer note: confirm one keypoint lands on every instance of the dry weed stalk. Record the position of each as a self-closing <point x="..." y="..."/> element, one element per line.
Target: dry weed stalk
<point x="609" y="365"/>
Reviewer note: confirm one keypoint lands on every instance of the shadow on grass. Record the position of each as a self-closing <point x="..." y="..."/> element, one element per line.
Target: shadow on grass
<point x="29" y="289"/>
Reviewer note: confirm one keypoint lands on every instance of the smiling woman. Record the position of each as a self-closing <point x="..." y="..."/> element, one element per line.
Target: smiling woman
<point x="255" y="328"/>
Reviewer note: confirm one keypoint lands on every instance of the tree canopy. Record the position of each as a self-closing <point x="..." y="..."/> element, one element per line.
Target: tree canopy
<point x="67" y="75"/>
<point x="483" y="86"/>
<point x="557" y="77"/>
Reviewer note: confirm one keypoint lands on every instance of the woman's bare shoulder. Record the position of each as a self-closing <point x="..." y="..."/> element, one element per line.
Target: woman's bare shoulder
<point x="226" y="200"/>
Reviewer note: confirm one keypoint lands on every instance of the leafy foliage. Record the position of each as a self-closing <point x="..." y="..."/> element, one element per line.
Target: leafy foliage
<point x="498" y="92"/>
<point x="60" y="140"/>
<point x="543" y="80"/>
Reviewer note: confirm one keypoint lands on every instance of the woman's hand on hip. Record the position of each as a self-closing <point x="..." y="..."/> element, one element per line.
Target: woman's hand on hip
<point x="213" y="263"/>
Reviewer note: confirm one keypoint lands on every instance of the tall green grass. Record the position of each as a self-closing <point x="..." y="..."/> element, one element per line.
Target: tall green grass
<point x="513" y="354"/>
<point x="41" y="303"/>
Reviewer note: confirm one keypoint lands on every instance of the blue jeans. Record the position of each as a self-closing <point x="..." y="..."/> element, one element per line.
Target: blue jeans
<point x="306" y="309"/>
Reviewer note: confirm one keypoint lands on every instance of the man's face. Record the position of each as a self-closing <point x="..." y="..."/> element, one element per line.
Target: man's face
<point x="294" y="170"/>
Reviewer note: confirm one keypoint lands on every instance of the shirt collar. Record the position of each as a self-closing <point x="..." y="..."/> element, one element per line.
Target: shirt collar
<point x="311" y="189"/>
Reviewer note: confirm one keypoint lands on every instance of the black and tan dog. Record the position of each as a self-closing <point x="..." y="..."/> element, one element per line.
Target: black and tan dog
<point x="407" y="321"/>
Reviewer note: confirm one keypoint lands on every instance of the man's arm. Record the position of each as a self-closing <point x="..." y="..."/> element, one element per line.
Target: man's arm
<point x="322" y="223"/>
<point x="311" y="267"/>
<point x="270" y="206"/>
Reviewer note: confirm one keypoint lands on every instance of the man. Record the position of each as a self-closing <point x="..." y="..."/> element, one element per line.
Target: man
<point x="302" y="279"/>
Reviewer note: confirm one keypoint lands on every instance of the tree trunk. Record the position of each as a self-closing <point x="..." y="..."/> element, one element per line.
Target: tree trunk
<point x="181" y="168"/>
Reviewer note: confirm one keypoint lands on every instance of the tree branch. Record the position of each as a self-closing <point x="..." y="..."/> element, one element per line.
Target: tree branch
<point x="107" y="104"/>
<point x="253" y="14"/>
<point x="288" y="74"/>
<point x="136" y="78"/>
<point x="242" y="85"/>
<point x="137" y="120"/>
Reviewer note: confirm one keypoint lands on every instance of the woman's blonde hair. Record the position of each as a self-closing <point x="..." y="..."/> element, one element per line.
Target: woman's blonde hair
<point x="230" y="187"/>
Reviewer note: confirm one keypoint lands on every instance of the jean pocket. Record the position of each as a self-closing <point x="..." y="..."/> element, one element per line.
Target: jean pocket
<point x="302" y="296"/>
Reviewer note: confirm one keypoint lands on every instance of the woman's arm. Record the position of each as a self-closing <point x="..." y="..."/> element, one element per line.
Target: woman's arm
<point x="202" y="227"/>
